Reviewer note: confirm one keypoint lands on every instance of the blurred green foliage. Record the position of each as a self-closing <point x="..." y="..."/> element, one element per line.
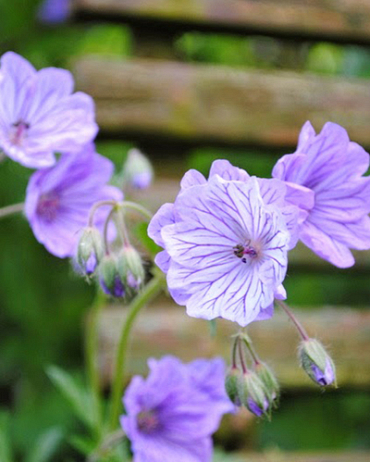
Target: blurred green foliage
<point x="43" y="304"/>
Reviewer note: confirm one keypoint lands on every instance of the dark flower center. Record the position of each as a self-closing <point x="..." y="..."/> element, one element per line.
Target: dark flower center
<point x="48" y="206"/>
<point x="244" y="251"/>
<point x="147" y="421"/>
<point x="19" y="132"/>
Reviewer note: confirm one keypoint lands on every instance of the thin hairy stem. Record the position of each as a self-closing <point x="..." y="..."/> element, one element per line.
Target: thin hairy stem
<point x="11" y="209"/>
<point x="151" y="290"/>
<point x="301" y="330"/>
<point x="248" y="343"/>
<point x="94" y="208"/>
<point x="138" y="208"/>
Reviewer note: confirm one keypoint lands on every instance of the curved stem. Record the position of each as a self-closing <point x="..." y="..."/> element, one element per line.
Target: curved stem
<point x="138" y="208"/>
<point x="241" y="358"/>
<point x="94" y="208"/>
<point x="252" y="351"/>
<point x="91" y="346"/>
<point x="301" y="330"/>
<point x="11" y="209"/>
<point x="105" y="231"/>
<point x="152" y="289"/>
<point x="233" y="354"/>
<point x="122" y="228"/>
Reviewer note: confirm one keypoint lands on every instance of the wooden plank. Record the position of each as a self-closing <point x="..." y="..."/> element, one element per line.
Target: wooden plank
<point x="344" y="20"/>
<point x="220" y="104"/>
<point x="278" y="456"/>
<point x="166" y="329"/>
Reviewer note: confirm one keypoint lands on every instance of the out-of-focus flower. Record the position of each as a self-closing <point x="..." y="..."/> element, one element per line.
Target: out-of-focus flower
<point x="90" y="250"/>
<point x="331" y="166"/>
<point x="109" y="277"/>
<point x="138" y="171"/>
<point x="39" y="115"/>
<point x="54" y="11"/>
<point x="226" y="244"/>
<point x="59" y="198"/>
<point x="316" y="362"/>
<point x="172" y="414"/>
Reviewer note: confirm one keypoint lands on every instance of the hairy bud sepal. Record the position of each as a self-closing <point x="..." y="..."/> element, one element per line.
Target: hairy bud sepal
<point x="130" y="268"/>
<point x="316" y="362"/>
<point x="231" y="386"/>
<point x="269" y="380"/>
<point x="253" y="394"/>
<point x="90" y="250"/>
<point x="109" y="277"/>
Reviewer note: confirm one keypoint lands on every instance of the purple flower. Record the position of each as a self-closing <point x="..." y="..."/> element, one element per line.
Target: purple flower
<point x="59" y="198"/>
<point x="39" y="114"/>
<point x="331" y="167"/>
<point x="226" y="244"/>
<point x="54" y="11"/>
<point x="323" y="377"/>
<point x="172" y="414"/>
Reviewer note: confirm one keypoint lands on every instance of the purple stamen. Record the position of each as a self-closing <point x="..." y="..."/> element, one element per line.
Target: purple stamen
<point x="147" y="421"/>
<point x="19" y="132"/>
<point x="48" y="206"/>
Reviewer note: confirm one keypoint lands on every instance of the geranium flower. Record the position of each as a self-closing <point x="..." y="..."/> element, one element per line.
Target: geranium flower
<point x="59" y="198"/>
<point x="226" y="244"/>
<point x="39" y="115"/>
<point x="332" y="167"/>
<point x="172" y="414"/>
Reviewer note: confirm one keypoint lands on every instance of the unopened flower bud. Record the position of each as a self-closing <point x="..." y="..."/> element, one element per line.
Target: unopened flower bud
<point x="90" y="250"/>
<point x="253" y="394"/>
<point x="231" y="385"/>
<point x="268" y="379"/>
<point x="130" y="268"/>
<point x="109" y="278"/>
<point x="316" y="362"/>
<point x="138" y="171"/>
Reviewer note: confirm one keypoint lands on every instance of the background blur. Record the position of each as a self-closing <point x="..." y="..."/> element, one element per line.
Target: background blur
<point x="43" y="304"/>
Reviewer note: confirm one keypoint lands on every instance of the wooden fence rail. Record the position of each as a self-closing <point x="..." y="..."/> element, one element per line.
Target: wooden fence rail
<point x="166" y="329"/>
<point x="347" y="20"/>
<point x="203" y="102"/>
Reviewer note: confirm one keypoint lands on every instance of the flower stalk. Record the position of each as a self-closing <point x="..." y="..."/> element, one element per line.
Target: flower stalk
<point x="11" y="209"/>
<point x="150" y="291"/>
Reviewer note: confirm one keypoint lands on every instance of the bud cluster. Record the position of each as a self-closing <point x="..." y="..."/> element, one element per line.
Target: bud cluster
<point x="118" y="268"/>
<point x="253" y="386"/>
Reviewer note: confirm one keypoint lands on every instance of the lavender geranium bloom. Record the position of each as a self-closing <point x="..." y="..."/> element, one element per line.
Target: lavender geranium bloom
<point x="59" y="198"/>
<point x="54" y="11"/>
<point x="39" y="115"/>
<point x="331" y="166"/>
<point x="172" y="414"/>
<point x="226" y="243"/>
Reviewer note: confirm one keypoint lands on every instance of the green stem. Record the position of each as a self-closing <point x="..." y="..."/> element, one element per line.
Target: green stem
<point x="252" y="351"/>
<point x="301" y="330"/>
<point x="152" y="289"/>
<point x="94" y="208"/>
<point x="91" y="354"/>
<point x="138" y="208"/>
<point x="11" y="209"/>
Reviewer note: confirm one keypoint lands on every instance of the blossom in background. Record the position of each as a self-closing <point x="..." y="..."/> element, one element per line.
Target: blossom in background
<point x="172" y="414"/>
<point x="138" y="171"/>
<point x="39" y="115"/>
<point x="331" y="166"/>
<point x="226" y="244"/>
<point x="59" y="198"/>
<point x="54" y="11"/>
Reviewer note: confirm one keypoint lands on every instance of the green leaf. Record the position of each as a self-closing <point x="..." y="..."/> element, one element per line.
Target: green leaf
<point x="75" y="393"/>
<point x="83" y="444"/>
<point x="45" y="446"/>
<point x="5" y="449"/>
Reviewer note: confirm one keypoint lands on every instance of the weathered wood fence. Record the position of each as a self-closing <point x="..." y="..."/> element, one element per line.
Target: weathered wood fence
<point x="148" y="97"/>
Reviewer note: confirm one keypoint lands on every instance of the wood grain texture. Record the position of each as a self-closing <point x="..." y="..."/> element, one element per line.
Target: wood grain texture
<point x="165" y="329"/>
<point x="220" y="104"/>
<point x="345" y="19"/>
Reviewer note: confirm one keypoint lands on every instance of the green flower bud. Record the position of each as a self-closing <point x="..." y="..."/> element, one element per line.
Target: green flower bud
<point x="109" y="277"/>
<point x="138" y="171"/>
<point x="253" y="394"/>
<point x="90" y="250"/>
<point x="268" y="379"/>
<point x="231" y="385"/>
<point x="316" y="362"/>
<point x="130" y="268"/>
